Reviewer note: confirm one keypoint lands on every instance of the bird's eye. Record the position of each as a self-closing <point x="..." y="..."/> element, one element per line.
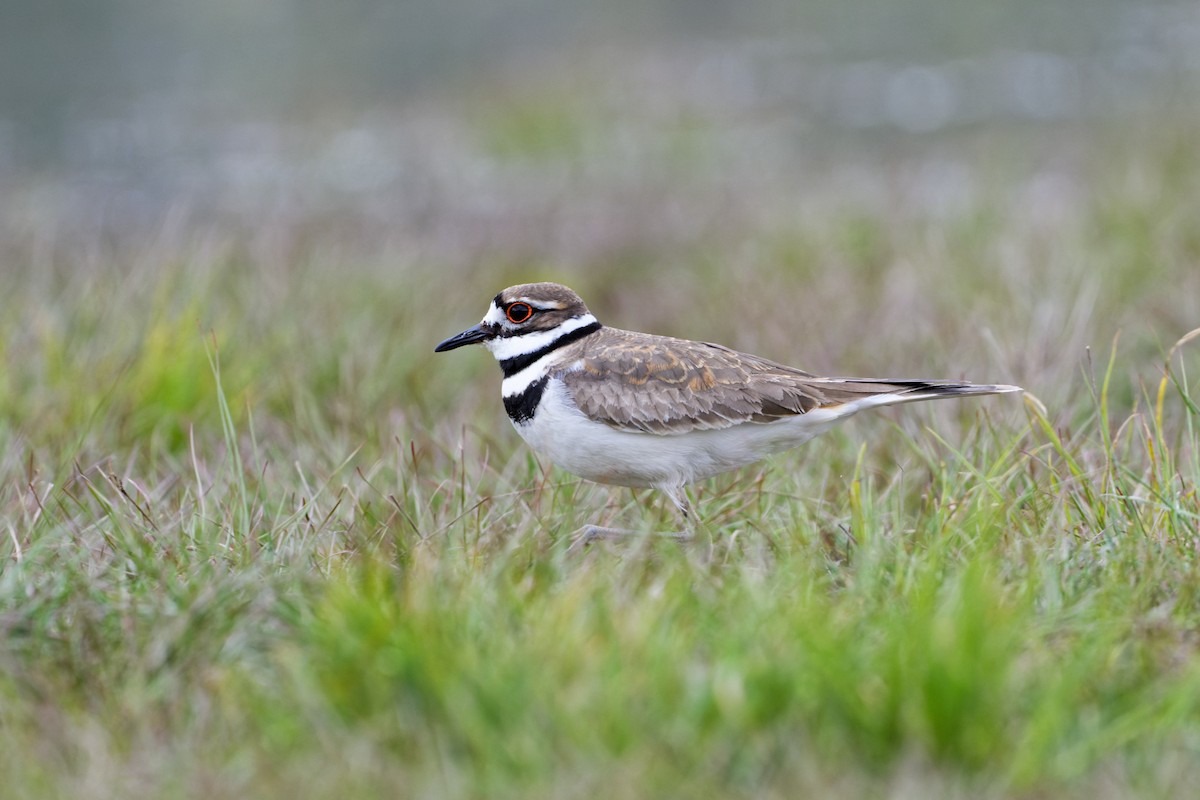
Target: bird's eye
<point x="519" y="312"/>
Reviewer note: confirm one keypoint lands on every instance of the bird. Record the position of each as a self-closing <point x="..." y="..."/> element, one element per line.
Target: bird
<point x="641" y="410"/>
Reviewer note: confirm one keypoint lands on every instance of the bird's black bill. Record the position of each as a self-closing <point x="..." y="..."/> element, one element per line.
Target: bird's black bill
<point x="469" y="336"/>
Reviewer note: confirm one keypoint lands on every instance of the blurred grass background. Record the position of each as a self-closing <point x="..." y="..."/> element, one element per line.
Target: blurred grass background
<point x="259" y="541"/>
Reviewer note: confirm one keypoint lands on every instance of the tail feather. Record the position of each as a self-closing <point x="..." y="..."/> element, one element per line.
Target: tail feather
<point x="850" y="395"/>
<point x="925" y="388"/>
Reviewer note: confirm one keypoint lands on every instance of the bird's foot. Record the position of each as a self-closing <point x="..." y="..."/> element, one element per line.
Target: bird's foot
<point x="597" y="533"/>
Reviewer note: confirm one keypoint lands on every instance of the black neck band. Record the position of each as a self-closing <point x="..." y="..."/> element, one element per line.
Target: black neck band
<point x="521" y="407"/>
<point x="511" y="366"/>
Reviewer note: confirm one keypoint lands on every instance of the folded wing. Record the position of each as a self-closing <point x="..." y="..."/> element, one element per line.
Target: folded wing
<point x="661" y="385"/>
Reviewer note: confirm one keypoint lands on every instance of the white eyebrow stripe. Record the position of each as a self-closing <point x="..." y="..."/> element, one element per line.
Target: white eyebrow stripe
<point x="506" y="347"/>
<point x="553" y="305"/>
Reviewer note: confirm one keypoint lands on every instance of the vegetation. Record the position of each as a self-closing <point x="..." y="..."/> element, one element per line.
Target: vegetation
<point x="260" y="542"/>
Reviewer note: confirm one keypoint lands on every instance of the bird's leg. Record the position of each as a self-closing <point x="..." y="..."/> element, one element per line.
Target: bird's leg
<point x="679" y="498"/>
<point x="595" y="533"/>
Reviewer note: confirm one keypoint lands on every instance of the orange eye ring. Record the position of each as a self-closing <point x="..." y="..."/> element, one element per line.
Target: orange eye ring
<point x="518" y="313"/>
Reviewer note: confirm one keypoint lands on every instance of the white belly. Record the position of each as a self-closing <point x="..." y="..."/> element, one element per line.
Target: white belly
<point x="595" y="451"/>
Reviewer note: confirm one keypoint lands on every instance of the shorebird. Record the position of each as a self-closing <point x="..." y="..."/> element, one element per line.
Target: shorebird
<point x="636" y="409"/>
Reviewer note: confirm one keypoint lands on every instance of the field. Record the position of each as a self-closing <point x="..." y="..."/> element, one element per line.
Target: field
<point x="259" y="541"/>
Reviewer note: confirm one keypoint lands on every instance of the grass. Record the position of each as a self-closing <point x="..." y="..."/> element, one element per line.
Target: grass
<point x="259" y="541"/>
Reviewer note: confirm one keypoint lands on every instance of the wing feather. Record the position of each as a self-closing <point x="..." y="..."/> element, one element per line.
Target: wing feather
<point x="657" y="384"/>
<point x="662" y="385"/>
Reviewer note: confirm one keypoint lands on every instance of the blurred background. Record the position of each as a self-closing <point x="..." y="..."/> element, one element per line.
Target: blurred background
<point x="124" y="112"/>
<point x="883" y="186"/>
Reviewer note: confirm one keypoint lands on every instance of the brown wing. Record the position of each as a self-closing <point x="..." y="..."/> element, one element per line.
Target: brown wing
<point x="661" y="385"/>
<point x="656" y="384"/>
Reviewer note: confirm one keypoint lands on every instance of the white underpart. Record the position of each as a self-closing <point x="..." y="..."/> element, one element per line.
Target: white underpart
<point x="504" y="347"/>
<point x="593" y="450"/>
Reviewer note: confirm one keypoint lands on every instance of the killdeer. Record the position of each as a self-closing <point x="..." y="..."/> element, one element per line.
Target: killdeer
<point x="635" y="409"/>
